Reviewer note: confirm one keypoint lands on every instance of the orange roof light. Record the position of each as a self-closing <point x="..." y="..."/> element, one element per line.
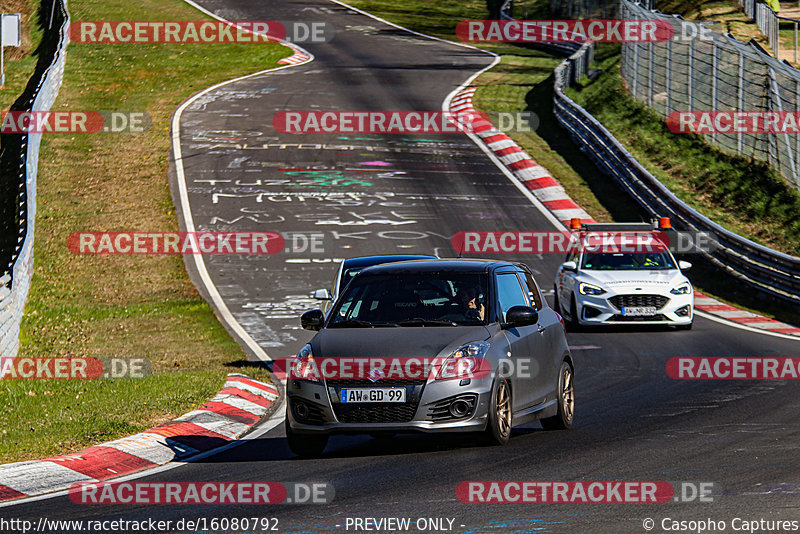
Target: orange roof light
<point x="664" y="223"/>
<point x="575" y="224"/>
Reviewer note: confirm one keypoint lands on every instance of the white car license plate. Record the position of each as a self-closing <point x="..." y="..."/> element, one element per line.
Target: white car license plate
<point x="373" y="395"/>
<point x="639" y="311"/>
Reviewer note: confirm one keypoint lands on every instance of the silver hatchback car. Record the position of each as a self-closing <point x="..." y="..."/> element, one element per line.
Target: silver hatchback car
<point x="431" y="346"/>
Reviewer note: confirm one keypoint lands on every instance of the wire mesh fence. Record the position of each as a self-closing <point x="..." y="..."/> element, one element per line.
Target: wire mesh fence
<point x="702" y="70"/>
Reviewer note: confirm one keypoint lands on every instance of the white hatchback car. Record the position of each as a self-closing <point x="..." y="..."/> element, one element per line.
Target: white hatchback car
<point x="636" y="286"/>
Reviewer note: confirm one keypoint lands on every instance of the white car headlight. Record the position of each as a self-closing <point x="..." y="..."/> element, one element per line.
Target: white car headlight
<point x="683" y="289"/>
<point x="464" y="362"/>
<point x="589" y="289"/>
<point x="305" y="368"/>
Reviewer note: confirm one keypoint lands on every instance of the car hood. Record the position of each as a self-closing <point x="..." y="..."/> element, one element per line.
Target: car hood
<point x="653" y="280"/>
<point x="403" y="342"/>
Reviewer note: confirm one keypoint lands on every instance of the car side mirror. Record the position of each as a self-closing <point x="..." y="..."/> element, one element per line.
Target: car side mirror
<point x="521" y="316"/>
<point x="312" y="320"/>
<point x="684" y="265"/>
<point x="569" y="266"/>
<point x="322" y="294"/>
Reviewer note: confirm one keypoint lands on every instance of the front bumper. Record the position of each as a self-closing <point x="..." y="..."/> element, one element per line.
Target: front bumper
<point x="599" y="309"/>
<point x="322" y="412"/>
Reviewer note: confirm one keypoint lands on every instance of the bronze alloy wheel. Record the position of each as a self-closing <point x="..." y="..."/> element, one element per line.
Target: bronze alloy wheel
<point x="565" y="399"/>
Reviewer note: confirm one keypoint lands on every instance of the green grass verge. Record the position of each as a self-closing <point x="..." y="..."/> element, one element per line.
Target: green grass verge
<point x="119" y="306"/>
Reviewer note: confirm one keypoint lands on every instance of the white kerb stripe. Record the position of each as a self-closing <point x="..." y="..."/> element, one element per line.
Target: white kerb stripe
<point x="267" y="394"/>
<point x="511" y="158"/>
<point x="555" y="192"/>
<point x="229" y="429"/>
<point x="503" y="143"/>
<point x="37" y="476"/>
<point x="735" y="313"/>
<point x="532" y="173"/>
<point x="150" y="447"/>
<point x="242" y="404"/>
<point x="767" y="325"/>
<point x="705" y="301"/>
<point x="568" y="214"/>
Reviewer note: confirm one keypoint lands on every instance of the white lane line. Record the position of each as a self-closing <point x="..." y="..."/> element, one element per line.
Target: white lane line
<point x="222" y="308"/>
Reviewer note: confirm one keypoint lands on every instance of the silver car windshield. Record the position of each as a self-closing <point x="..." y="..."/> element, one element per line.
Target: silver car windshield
<point x="630" y="261"/>
<point x="424" y="299"/>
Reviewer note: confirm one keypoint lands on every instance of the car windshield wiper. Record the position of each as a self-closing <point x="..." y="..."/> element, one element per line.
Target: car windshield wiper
<point x="358" y="323"/>
<point x="352" y="323"/>
<point x="419" y="321"/>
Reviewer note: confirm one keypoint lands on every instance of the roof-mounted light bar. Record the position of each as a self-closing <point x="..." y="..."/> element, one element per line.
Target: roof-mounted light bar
<point x="662" y="223"/>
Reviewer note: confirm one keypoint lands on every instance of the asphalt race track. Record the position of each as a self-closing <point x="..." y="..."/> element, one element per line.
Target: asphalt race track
<point x="382" y="194"/>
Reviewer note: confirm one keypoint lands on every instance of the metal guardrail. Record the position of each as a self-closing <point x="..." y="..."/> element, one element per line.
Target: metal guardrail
<point x="772" y="272"/>
<point x="16" y="284"/>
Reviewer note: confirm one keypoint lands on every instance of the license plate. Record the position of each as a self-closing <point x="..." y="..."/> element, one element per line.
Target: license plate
<point x="373" y="395"/>
<point x="639" y="311"/>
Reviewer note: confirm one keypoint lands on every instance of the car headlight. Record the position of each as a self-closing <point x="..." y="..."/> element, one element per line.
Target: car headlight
<point x="465" y="362"/>
<point x="305" y="368"/>
<point x="589" y="289"/>
<point x="683" y="289"/>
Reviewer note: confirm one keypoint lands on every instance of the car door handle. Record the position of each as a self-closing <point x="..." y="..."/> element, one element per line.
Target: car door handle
<point x="540" y="329"/>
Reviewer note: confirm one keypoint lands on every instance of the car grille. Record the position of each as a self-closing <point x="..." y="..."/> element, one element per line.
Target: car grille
<point x="387" y="412"/>
<point x="628" y="301"/>
<point x="633" y="319"/>
<point x="383" y="412"/>
<point x="366" y="383"/>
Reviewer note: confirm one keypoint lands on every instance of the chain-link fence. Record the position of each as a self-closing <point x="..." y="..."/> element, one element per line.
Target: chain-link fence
<point x="585" y="9"/>
<point x="701" y="70"/>
<point x="19" y="168"/>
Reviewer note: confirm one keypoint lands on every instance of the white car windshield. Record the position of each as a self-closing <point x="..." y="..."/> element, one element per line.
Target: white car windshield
<point x="627" y="261"/>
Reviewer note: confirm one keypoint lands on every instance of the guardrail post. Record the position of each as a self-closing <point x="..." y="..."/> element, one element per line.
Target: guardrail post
<point x="775" y="31"/>
<point x="691" y="74"/>
<point x="668" y="108"/>
<point x="635" y="69"/>
<point x="739" y="141"/>
<point x="797" y="136"/>
<point x="714" y="83"/>
<point x="650" y="75"/>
